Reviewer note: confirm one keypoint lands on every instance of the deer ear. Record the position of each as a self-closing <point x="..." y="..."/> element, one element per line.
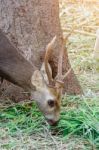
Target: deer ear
<point x="37" y="79"/>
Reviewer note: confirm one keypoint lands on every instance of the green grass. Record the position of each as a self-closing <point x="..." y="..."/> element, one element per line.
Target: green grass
<point x="79" y="118"/>
<point x="21" y="118"/>
<point x="82" y="120"/>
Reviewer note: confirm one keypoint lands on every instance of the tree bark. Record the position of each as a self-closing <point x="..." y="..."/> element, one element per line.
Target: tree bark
<point x="30" y="25"/>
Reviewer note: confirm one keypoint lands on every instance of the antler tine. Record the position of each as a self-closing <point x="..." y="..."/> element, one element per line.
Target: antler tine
<point x="60" y="60"/>
<point x="47" y="54"/>
<point x="59" y="76"/>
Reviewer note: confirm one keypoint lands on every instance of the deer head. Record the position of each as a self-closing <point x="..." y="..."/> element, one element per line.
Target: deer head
<point x="48" y="90"/>
<point x="16" y="69"/>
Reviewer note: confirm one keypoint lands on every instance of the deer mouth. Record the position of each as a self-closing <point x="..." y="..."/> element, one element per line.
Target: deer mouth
<point x="52" y="122"/>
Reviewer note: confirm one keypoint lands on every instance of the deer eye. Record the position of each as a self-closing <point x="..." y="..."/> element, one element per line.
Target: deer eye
<point x="51" y="103"/>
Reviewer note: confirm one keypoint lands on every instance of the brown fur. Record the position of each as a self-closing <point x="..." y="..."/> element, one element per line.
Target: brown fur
<point x="14" y="67"/>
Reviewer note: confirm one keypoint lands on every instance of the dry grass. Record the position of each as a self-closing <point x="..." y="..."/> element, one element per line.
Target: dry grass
<point x="22" y="126"/>
<point x="83" y="18"/>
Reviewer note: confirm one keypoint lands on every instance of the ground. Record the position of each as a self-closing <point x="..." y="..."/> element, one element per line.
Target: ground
<point x="22" y="126"/>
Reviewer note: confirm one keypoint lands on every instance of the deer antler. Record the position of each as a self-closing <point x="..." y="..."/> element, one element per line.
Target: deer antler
<point x="60" y="77"/>
<point x="47" y="54"/>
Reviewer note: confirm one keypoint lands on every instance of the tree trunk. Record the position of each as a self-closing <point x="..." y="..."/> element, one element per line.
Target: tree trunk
<point x="30" y="25"/>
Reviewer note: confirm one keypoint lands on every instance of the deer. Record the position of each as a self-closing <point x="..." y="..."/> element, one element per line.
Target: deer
<point x="45" y="90"/>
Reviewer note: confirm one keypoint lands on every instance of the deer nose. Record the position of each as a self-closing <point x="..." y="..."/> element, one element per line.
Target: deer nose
<point x="52" y="122"/>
